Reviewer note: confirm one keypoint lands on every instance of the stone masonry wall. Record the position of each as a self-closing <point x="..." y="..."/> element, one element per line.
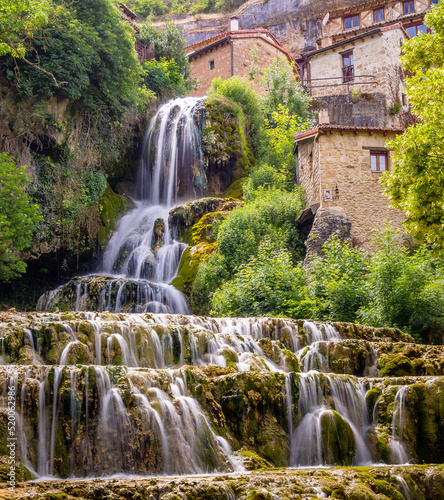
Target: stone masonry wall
<point x="309" y="172"/>
<point x="200" y="67"/>
<point x="377" y="57"/>
<point x="393" y="12"/>
<point x="345" y="164"/>
<point x="242" y="62"/>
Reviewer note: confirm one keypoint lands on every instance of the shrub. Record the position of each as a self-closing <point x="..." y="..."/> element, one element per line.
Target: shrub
<point x="18" y="217"/>
<point x="262" y="286"/>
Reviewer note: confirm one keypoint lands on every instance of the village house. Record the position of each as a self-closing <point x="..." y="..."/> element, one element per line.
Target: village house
<point x="144" y="53"/>
<point x="232" y="53"/>
<point x="357" y="84"/>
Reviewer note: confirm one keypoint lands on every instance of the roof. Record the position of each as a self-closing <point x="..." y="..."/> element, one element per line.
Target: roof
<point x="372" y="32"/>
<point x="266" y="35"/>
<point x="328" y="127"/>
<point x="132" y="15"/>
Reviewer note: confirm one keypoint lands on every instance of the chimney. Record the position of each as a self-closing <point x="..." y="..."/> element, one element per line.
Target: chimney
<point x="234" y="23"/>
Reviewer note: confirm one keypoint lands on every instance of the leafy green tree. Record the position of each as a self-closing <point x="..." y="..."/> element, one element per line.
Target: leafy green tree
<point x="163" y="77"/>
<point x="416" y="182"/>
<point x="145" y="8"/>
<point x="262" y="286"/>
<point x="18" y="218"/>
<point x="402" y="287"/>
<point x="337" y="281"/>
<point x="91" y="50"/>
<point x="169" y="44"/>
<point x="283" y="90"/>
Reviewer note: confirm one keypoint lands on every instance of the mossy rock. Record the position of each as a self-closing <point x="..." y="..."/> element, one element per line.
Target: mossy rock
<point x="395" y="365"/>
<point x="235" y="190"/>
<point x="338" y="441"/>
<point x="253" y="461"/>
<point x="112" y="207"/>
<point x="189" y="264"/>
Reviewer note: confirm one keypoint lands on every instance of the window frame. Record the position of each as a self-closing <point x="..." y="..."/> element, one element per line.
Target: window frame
<point x="404" y="5"/>
<point x="415" y="25"/>
<point x="351" y="17"/>
<point x="378" y="154"/>
<point x="379" y="11"/>
<point x="349" y="77"/>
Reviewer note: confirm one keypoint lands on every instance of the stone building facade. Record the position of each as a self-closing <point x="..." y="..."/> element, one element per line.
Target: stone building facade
<point x="232" y="53"/>
<point x="340" y="166"/>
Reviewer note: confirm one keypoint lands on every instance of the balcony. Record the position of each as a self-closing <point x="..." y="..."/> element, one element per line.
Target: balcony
<point x="348" y="73"/>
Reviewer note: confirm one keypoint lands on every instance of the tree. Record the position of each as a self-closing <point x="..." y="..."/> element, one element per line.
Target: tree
<point x="169" y="44"/>
<point x="416" y="182"/>
<point x="20" y="21"/>
<point x="18" y="217"/>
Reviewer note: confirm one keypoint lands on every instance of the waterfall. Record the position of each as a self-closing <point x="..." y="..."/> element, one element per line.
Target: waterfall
<point x="142" y="256"/>
<point x="397" y="446"/>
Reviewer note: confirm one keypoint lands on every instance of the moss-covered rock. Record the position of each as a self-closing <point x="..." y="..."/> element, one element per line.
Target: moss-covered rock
<point x="112" y="207"/>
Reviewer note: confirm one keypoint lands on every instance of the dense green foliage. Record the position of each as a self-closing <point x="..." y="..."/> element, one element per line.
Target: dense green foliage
<point x="261" y="286"/>
<point x="273" y="204"/>
<point x="237" y="92"/>
<point x="90" y="50"/>
<point x="18" y="217"/>
<point x="169" y="45"/>
<point x="416" y="183"/>
<point x="19" y="22"/>
<point x="72" y="97"/>
<point x="158" y="8"/>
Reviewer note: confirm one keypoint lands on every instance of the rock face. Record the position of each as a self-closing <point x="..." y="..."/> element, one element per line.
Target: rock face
<point x="329" y="221"/>
<point x="171" y="394"/>
<point x="296" y="23"/>
<point x="382" y="483"/>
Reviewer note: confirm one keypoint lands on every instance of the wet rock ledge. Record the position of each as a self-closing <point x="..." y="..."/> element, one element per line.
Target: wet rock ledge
<point x="351" y="483"/>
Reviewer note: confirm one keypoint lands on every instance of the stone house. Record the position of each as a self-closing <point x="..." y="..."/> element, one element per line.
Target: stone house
<point x="340" y="166"/>
<point x="357" y="85"/>
<point x="231" y="53"/>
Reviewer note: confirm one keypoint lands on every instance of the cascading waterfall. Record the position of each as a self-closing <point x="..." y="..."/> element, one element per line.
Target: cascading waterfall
<point x="142" y="256"/>
<point x="134" y="410"/>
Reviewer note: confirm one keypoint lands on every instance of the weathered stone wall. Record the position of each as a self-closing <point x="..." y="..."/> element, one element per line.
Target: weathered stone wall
<point x="364" y="110"/>
<point x="243" y="49"/>
<point x="309" y="172"/>
<point x="242" y="61"/>
<point x="200" y="67"/>
<point x="376" y="57"/>
<point x="345" y="164"/>
<point x="393" y="12"/>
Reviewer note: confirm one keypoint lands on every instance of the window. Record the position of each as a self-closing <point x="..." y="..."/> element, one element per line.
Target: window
<point x="351" y="22"/>
<point x="378" y="15"/>
<point x="409" y="7"/>
<point x="211" y="65"/>
<point x="378" y="161"/>
<point x="348" y="69"/>
<point x="435" y="1"/>
<point x="415" y="29"/>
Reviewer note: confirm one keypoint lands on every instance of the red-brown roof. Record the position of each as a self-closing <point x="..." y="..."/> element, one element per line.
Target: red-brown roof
<point x="264" y="34"/>
<point x="132" y="15"/>
<point x="327" y="127"/>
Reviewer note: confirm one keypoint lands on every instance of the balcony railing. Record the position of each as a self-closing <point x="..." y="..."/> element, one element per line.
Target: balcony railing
<point x="348" y="73"/>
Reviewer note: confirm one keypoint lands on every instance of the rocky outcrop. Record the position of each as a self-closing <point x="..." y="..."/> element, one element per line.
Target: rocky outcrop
<point x="366" y="483"/>
<point x="295" y="23"/>
<point x="328" y="221"/>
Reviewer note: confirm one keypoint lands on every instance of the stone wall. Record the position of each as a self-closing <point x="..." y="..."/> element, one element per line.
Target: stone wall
<point x="376" y="67"/>
<point x="345" y="165"/>
<point x="200" y="67"/>
<point x="393" y="12"/>
<point x="243" y="47"/>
